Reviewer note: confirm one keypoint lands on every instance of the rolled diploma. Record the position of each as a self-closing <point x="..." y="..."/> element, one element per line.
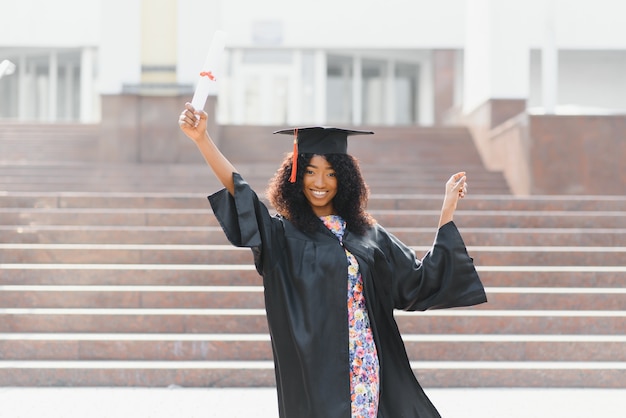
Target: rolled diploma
<point x="210" y="70"/>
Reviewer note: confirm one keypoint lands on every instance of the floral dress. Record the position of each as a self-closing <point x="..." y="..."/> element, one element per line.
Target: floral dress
<point x="364" y="366"/>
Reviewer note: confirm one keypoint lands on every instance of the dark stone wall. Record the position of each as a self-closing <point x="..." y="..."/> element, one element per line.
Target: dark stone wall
<point x="579" y="154"/>
<point x="444" y="65"/>
<point x="144" y="129"/>
<point x="551" y="154"/>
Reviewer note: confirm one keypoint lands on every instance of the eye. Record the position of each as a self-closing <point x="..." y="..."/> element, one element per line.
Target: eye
<point x="333" y="174"/>
<point x="309" y="171"/>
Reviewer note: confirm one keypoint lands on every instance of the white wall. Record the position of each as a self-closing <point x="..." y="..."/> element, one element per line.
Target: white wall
<point x="582" y="24"/>
<point x="495" y="30"/>
<point x="349" y="23"/>
<point x="120" y="49"/>
<point x="197" y="23"/>
<point x="595" y="24"/>
<point x="113" y="27"/>
<point x="54" y="23"/>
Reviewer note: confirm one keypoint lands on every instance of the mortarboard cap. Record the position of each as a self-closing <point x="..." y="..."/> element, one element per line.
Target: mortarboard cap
<point x="318" y="140"/>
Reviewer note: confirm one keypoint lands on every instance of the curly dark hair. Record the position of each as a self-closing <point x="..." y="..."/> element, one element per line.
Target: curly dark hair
<point x="349" y="202"/>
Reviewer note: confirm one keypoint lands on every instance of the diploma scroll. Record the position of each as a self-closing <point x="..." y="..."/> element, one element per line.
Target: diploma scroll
<point x="207" y="83"/>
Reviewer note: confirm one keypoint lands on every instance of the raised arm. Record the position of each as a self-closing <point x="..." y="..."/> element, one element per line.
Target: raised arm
<point x="193" y="124"/>
<point x="455" y="190"/>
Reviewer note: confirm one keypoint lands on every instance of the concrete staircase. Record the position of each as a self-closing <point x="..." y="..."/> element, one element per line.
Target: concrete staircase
<point x="65" y="158"/>
<point x="118" y="275"/>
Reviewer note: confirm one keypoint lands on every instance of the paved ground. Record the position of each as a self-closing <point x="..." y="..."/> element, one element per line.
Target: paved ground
<point x="260" y="403"/>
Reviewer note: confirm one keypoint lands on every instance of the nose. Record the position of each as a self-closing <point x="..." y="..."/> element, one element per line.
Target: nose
<point x="319" y="180"/>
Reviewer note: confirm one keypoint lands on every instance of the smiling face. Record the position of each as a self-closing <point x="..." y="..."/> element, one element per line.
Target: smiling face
<point x="320" y="185"/>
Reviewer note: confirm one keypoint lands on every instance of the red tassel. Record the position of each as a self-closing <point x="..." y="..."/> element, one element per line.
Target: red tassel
<point x="294" y="158"/>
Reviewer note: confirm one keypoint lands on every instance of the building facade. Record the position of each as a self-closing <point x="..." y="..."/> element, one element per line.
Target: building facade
<point x="328" y="62"/>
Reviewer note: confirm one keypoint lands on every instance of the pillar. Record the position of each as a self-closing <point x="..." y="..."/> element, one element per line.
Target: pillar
<point x="87" y="85"/>
<point x="53" y="85"/>
<point x="296" y="89"/>
<point x="357" y="91"/>
<point x="24" y="89"/>
<point x="390" y="92"/>
<point x="320" y="87"/>
<point x="68" y="94"/>
<point x="425" y="92"/>
<point x="497" y="52"/>
<point x="496" y="70"/>
<point x="238" y="107"/>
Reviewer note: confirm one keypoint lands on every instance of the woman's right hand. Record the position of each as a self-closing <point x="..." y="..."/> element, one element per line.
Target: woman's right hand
<point x="193" y="122"/>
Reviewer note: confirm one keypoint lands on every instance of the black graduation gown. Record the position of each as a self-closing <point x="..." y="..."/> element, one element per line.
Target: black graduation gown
<point x="305" y="282"/>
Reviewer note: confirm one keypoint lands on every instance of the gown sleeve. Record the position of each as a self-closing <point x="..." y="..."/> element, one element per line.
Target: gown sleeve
<point x="243" y="217"/>
<point x="444" y="278"/>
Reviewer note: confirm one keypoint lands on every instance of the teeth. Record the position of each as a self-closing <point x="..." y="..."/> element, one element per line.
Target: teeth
<point x="319" y="194"/>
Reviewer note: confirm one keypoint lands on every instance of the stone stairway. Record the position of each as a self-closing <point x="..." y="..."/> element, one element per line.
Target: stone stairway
<point x="118" y="275"/>
<point x="64" y="158"/>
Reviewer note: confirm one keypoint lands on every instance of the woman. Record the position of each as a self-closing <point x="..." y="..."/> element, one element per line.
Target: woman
<point x="333" y="276"/>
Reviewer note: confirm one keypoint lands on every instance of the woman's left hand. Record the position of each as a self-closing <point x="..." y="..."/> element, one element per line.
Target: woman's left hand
<point x="456" y="188"/>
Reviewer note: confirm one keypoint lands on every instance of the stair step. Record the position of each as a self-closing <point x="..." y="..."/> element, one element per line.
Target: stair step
<point x="56" y="166"/>
<point x="261" y="373"/>
<point x="174" y="200"/>
<point x="255" y="347"/>
<point x="213" y="235"/>
<point x="553" y="276"/>
<point x="227" y="254"/>
<point x="245" y="274"/>
<point x="242" y="297"/>
<point x="388" y="218"/>
<point x="514" y="322"/>
<point x="130" y="274"/>
<point x="461" y="321"/>
<point x="208" y="186"/>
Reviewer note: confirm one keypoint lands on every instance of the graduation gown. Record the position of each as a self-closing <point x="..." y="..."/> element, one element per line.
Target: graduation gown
<point x="305" y="288"/>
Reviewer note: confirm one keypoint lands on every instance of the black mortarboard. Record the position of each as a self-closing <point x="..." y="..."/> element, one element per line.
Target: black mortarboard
<point x="318" y="140"/>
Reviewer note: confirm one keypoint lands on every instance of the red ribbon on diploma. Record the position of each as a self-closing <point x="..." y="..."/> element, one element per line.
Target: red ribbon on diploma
<point x="208" y="74"/>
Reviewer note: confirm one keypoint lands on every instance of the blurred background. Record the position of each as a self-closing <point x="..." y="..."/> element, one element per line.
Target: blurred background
<point x="126" y="64"/>
<point x="328" y="62"/>
<point x="115" y="273"/>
